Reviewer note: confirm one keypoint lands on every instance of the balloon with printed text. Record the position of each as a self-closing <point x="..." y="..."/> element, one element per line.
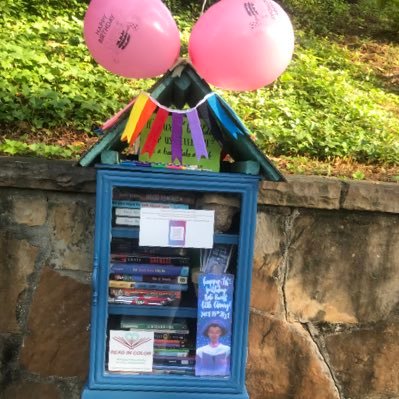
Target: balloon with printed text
<point x="130" y="39"/>
<point x="242" y="45"/>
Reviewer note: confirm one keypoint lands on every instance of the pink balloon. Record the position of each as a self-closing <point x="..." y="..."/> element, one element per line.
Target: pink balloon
<point x="242" y="45"/>
<point x="132" y="38"/>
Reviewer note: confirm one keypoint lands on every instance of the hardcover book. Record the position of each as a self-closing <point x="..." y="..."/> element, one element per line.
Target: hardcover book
<point x="215" y="310"/>
<point x="149" y="269"/>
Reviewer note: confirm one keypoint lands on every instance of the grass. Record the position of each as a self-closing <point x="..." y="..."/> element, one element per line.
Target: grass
<point x="333" y="112"/>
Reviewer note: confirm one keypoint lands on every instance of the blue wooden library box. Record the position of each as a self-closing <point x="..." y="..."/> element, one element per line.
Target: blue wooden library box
<point x="126" y="307"/>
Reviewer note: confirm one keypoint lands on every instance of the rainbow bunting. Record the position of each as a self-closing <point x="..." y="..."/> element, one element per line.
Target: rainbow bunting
<point x="212" y="109"/>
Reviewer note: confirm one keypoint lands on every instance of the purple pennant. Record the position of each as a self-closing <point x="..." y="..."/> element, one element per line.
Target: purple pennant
<point x="177" y="132"/>
<point x="197" y="134"/>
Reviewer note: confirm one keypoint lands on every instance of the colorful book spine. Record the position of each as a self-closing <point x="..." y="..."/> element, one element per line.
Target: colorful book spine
<point x="172" y="360"/>
<point x="129" y="212"/>
<point x="127" y="221"/>
<point x="162" y="343"/>
<point x="149" y="325"/>
<point x="143" y="292"/>
<point x="157" y="260"/>
<point x="170" y="336"/>
<point x="147" y="286"/>
<point x="172" y="352"/>
<point x="144" y="204"/>
<point x="149" y="279"/>
<point x="142" y="301"/>
<point x="149" y="269"/>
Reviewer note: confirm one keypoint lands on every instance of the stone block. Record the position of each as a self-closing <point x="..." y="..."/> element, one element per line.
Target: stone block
<point x="302" y="192"/>
<point x="58" y="339"/>
<point x="30" y="209"/>
<point x="71" y="224"/>
<point x="343" y="268"/>
<point x="372" y="196"/>
<point x="266" y="293"/>
<point x="283" y="362"/>
<point x="31" y="390"/>
<point x="17" y="260"/>
<point x="366" y="361"/>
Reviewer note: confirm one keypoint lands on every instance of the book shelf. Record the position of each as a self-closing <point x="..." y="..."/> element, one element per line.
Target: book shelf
<point x="112" y="315"/>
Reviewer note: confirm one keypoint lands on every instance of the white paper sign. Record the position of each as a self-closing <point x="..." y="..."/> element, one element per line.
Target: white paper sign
<point x="167" y="227"/>
<point x="131" y="350"/>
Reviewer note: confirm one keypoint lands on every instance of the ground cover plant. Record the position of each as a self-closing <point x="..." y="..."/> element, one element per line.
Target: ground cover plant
<point x="335" y="110"/>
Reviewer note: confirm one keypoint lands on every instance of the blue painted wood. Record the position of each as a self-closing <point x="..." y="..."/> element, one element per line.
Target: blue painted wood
<point x="165" y="311"/>
<point x="102" y="384"/>
<point x="106" y="394"/>
<point x="122" y="232"/>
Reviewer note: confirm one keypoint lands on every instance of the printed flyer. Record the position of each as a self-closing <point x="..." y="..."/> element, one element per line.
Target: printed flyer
<point x="131" y="350"/>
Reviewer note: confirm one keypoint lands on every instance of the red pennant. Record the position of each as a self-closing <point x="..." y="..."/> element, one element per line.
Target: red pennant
<point x="155" y="132"/>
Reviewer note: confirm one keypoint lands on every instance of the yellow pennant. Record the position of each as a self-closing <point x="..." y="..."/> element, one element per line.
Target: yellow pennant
<point x="134" y="116"/>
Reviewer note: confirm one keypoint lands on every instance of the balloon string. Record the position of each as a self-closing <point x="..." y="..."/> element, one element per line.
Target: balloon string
<point x="203" y="6"/>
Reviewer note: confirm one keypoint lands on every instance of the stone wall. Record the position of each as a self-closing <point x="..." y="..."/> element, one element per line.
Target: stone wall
<point x="325" y="298"/>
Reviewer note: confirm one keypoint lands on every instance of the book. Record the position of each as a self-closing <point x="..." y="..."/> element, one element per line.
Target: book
<point x="148" y="258"/>
<point x="142" y="300"/>
<point x="147" y="286"/>
<point x="129" y="212"/>
<point x="142" y="204"/>
<point x="127" y="221"/>
<point x="178" y="368"/>
<point x="173" y="360"/>
<point x="121" y="193"/>
<point x="216" y="260"/>
<point x="149" y="269"/>
<point x="149" y="279"/>
<point x="121" y="245"/>
<point x="152" y="323"/>
<point x="171" y="352"/>
<point x="160" y="343"/>
<point x="115" y="292"/>
<point x="169" y="336"/>
<point x="214" y="318"/>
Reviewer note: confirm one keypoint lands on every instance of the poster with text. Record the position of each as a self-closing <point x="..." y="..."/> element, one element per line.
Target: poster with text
<point x="131" y="350"/>
<point x="215" y="311"/>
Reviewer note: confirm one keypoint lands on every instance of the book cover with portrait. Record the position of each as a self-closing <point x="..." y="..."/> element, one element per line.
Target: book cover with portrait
<point x="215" y="311"/>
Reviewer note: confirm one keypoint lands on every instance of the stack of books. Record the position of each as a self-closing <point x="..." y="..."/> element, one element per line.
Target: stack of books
<point x="126" y="205"/>
<point x="173" y="345"/>
<point x="147" y="279"/>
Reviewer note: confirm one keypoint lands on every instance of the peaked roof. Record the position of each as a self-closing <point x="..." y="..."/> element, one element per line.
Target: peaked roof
<point x="177" y="88"/>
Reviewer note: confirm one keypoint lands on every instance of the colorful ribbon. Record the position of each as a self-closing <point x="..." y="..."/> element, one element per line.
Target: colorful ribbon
<point x="177" y="137"/>
<point x="216" y="113"/>
<point x="223" y="117"/>
<point x="155" y="132"/>
<point x="145" y="116"/>
<point x="197" y="134"/>
<point x="137" y="109"/>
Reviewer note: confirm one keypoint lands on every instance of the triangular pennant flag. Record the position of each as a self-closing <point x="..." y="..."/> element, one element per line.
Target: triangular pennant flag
<point x="177" y="139"/>
<point x="111" y="121"/>
<point x="197" y="134"/>
<point x="138" y="106"/>
<point x="146" y="114"/>
<point x="232" y="114"/>
<point x="223" y="117"/>
<point x="155" y="132"/>
<point x="211" y="123"/>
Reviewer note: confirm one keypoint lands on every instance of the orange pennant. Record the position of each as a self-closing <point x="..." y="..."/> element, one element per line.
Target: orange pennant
<point x="146" y="114"/>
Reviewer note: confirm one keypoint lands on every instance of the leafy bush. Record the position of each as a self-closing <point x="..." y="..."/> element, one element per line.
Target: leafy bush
<point x="325" y="105"/>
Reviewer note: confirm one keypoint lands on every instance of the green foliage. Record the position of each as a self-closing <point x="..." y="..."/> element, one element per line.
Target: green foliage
<point x="323" y="106"/>
<point x="48" y="77"/>
<point x="14" y="147"/>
